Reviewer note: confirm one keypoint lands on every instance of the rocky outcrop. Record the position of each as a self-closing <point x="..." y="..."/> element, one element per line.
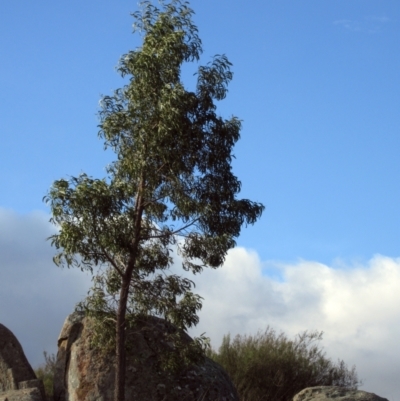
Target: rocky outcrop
<point x="83" y="373"/>
<point x="17" y="378"/>
<point x="327" y="393"/>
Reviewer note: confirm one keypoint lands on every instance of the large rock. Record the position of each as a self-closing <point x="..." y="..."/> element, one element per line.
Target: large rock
<point x="84" y="374"/>
<point x="17" y="378"/>
<point x="327" y="393"/>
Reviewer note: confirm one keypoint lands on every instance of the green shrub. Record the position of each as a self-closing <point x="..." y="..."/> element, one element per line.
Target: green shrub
<point x="45" y="372"/>
<point x="268" y="367"/>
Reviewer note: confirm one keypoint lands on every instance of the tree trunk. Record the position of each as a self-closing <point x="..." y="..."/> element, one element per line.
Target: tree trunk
<point x="120" y="369"/>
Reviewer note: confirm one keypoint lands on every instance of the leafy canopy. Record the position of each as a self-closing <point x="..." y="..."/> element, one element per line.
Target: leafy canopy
<point x="171" y="185"/>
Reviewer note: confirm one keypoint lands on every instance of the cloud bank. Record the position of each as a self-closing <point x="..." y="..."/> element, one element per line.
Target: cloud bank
<point x="357" y="306"/>
<point x="35" y="295"/>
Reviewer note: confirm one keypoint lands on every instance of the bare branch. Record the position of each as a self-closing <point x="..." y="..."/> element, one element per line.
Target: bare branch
<point x="108" y="257"/>
<point x="173" y="232"/>
<point x="152" y="201"/>
<point x="112" y="262"/>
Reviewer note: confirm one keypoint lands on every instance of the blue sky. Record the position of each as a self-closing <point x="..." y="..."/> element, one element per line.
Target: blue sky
<point x="316" y="83"/>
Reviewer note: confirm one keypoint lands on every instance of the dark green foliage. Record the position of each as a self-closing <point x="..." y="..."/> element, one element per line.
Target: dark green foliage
<point x="170" y="187"/>
<point x="268" y="367"/>
<point x="101" y="303"/>
<point x="45" y="372"/>
<point x="172" y="184"/>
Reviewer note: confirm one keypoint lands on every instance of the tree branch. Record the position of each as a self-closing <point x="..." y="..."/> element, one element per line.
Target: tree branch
<point x="111" y="260"/>
<point x="152" y="201"/>
<point x="173" y="232"/>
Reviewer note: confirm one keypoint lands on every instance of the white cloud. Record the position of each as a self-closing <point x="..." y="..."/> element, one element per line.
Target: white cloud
<point x="356" y="306"/>
<point x="348" y="24"/>
<point x="369" y="24"/>
<point x="382" y="19"/>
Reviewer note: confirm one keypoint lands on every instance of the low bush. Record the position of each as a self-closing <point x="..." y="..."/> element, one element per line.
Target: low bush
<point x="45" y="372"/>
<point x="270" y="367"/>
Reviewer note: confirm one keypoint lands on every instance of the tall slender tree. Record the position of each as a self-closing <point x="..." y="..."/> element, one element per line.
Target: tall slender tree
<point x="171" y="184"/>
